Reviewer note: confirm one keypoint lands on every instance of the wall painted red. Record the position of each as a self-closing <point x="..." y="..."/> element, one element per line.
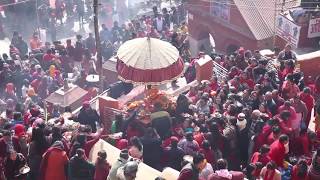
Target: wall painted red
<point x="236" y="33"/>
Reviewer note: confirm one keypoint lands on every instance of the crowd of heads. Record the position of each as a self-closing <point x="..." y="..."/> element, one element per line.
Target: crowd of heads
<point x="30" y="73"/>
<point x="252" y="122"/>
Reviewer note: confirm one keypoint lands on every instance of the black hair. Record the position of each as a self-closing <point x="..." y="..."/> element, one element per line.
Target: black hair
<point x="249" y="169"/>
<point x="189" y="136"/>
<point x="101" y="159"/>
<point x="17" y="116"/>
<point x="264" y="149"/>
<point x="285" y="114"/>
<point x="67" y="109"/>
<point x="81" y="139"/>
<point x="39" y="139"/>
<point x="206" y="144"/>
<point x="49" y="51"/>
<point x="198" y="158"/>
<point x="56" y="134"/>
<point x="283" y="138"/>
<point x="302" y="168"/>
<point x="135" y="141"/>
<point x="276" y="129"/>
<point x="259" y="165"/>
<point x="80" y="152"/>
<point x="222" y="164"/>
<point x="271" y="165"/>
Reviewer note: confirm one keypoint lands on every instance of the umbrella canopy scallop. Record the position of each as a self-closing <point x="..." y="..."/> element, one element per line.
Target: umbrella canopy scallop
<point x="149" y="61"/>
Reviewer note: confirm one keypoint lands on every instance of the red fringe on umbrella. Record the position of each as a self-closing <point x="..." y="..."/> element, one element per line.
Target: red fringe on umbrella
<point x="150" y="76"/>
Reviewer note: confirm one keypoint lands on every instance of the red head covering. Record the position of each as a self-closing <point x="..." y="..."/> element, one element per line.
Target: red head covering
<point x="19" y="130"/>
<point x="35" y="112"/>
<point x="86" y="104"/>
<point x="57" y="72"/>
<point x="10" y="88"/>
<point x="174" y="139"/>
<point x="122" y="144"/>
<point x="241" y="50"/>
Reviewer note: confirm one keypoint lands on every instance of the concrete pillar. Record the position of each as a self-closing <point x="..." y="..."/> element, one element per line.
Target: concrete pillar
<point x="194" y="48"/>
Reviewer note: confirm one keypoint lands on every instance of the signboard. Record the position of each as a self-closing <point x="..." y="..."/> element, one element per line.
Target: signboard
<point x="314" y="28"/>
<point x="190" y="16"/>
<point x="220" y="9"/>
<point x="52" y="4"/>
<point x="287" y="30"/>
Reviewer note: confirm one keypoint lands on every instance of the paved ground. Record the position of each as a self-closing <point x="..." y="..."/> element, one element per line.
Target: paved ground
<point x="65" y="31"/>
<point x="4" y="46"/>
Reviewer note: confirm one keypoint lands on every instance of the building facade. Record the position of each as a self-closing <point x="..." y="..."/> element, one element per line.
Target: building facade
<point x="231" y="24"/>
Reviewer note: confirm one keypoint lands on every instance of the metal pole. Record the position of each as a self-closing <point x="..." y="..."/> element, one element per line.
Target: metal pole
<point x="98" y="43"/>
<point x="274" y="24"/>
<point x="38" y="21"/>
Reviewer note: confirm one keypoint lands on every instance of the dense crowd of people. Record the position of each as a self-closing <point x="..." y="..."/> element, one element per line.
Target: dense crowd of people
<point x="32" y="147"/>
<point x="251" y="124"/>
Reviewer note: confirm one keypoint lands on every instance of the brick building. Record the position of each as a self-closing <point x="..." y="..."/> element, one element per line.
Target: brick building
<point x="233" y="23"/>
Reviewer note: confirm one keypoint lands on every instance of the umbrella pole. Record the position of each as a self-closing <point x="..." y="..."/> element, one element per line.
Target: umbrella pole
<point x="145" y="91"/>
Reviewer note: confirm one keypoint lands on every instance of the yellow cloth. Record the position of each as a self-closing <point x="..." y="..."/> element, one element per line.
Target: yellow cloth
<point x="184" y="29"/>
<point x="31" y="92"/>
<point x="52" y="70"/>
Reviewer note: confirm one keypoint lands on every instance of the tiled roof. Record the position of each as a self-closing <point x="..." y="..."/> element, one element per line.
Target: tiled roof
<point x="259" y="15"/>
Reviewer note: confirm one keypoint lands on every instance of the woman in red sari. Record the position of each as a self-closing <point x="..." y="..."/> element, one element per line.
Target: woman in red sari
<point x="288" y="69"/>
<point x="261" y="156"/>
<point x="54" y="162"/>
<point x="279" y="149"/>
<point x="300" y="170"/>
<point x="246" y="81"/>
<point x="214" y="85"/>
<point x="307" y="98"/>
<point x="289" y="89"/>
<point x="193" y="94"/>
<point x="102" y="166"/>
<point x="270" y="172"/>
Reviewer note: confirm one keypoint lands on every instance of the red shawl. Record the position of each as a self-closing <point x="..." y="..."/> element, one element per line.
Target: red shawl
<point x="277" y="153"/>
<point x="308" y="99"/>
<point x="257" y="157"/>
<point x="269" y="175"/>
<point x="44" y="162"/>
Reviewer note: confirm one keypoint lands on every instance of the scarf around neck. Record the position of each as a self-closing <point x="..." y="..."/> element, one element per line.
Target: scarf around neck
<point x="224" y="173"/>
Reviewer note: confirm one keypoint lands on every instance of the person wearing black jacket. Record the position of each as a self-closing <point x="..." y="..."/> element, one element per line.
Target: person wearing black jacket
<point x="161" y="121"/>
<point x="151" y="144"/>
<point x="88" y="116"/>
<point x="79" y="168"/>
<point x="22" y="46"/>
<point x="12" y="165"/>
<point x="174" y="154"/>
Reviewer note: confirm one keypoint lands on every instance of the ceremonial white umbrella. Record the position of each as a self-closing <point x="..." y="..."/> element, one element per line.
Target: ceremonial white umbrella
<point x="148" y="61"/>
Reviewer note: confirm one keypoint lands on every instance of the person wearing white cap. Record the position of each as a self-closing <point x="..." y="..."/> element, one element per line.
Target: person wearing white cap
<point x="121" y="161"/>
<point x="37" y="66"/>
<point x="241" y="121"/>
<point x="255" y="119"/>
<point x="128" y="171"/>
<point x="243" y="138"/>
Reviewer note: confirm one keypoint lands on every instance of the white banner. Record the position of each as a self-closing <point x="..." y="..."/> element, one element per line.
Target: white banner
<point x="288" y="30"/>
<point x="314" y="28"/>
<point x="220" y="9"/>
